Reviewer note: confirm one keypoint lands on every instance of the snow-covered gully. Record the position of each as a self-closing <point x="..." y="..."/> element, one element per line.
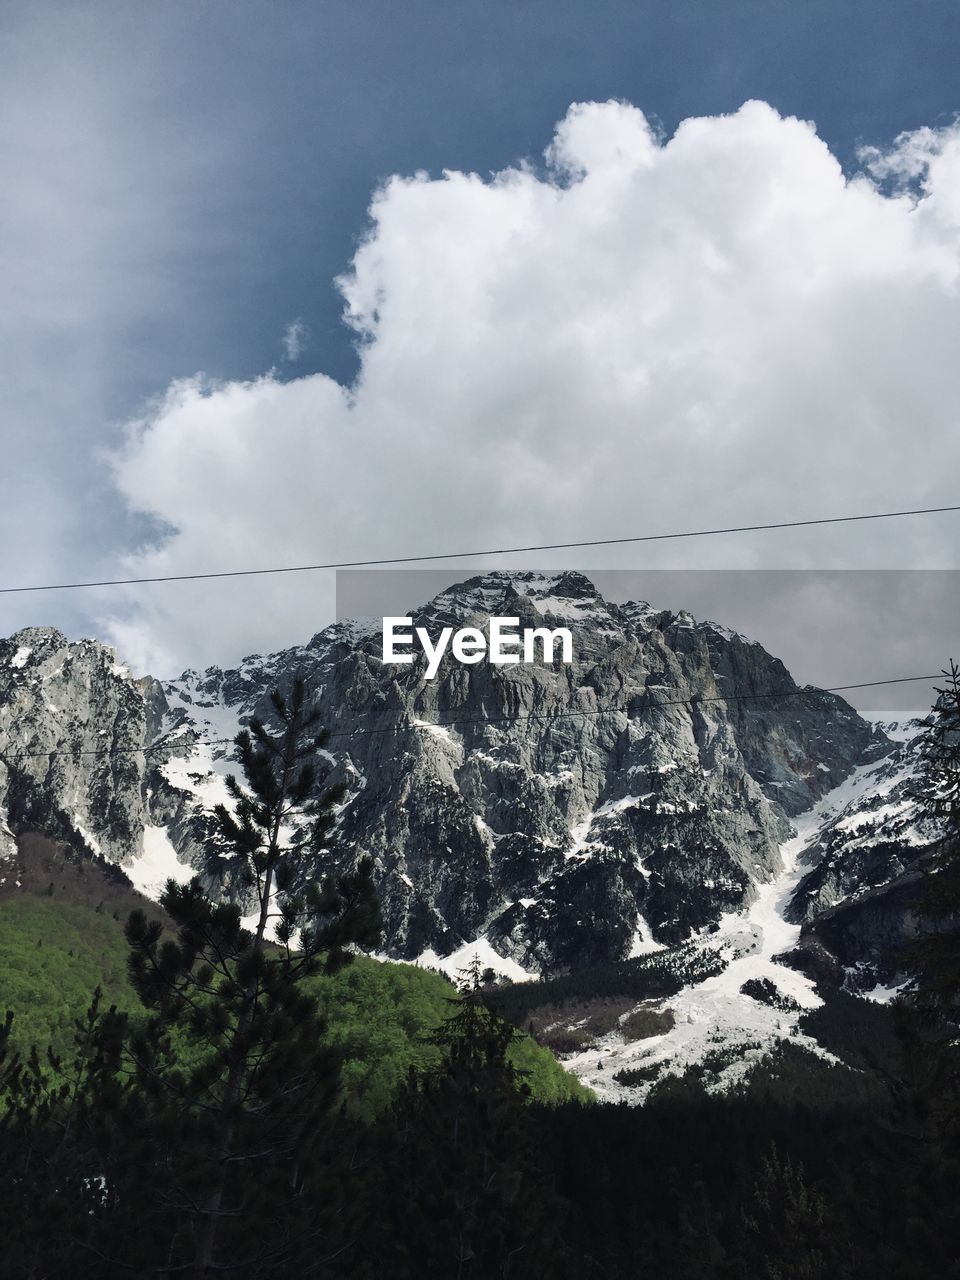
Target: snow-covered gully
<point x="716" y="1023"/>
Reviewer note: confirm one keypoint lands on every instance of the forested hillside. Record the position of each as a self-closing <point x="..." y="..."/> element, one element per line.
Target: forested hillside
<point x="59" y="943"/>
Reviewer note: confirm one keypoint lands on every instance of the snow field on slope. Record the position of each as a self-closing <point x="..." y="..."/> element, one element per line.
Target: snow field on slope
<point x="713" y="1015"/>
<point x="157" y="864"/>
<point x="461" y="959"/>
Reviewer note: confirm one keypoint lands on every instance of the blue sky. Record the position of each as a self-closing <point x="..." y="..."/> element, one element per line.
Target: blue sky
<point x="181" y="182"/>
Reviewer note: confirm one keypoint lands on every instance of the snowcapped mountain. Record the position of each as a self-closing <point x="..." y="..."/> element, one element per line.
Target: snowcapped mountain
<point x="562" y="815"/>
<point x="672" y="790"/>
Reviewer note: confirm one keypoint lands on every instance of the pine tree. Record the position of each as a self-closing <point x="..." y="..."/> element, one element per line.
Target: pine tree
<point x="787" y="1229"/>
<point x="239" y="1078"/>
<point x="57" y="1189"/>
<point x="936" y="957"/>
<point x="466" y="1193"/>
<point x="926" y="1091"/>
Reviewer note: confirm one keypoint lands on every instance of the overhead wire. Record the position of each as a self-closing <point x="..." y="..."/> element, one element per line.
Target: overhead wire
<point x="468" y="555"/>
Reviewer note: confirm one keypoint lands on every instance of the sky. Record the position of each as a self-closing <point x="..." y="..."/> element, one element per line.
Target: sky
<point x="299" y="283"/>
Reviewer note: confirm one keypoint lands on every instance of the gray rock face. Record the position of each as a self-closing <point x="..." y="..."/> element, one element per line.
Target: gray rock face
<point x="72" y="728"/>
<point x="866" y="932"/>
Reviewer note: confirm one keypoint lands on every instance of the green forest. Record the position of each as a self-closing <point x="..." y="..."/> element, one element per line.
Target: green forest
<point x="54" y="954"/>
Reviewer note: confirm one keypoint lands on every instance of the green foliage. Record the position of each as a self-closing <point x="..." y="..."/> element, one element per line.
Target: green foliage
<point x="57" y="1111"/>
<point x="765" y="1184"/>
<point x="380" y="1015"/>
<point x="935" y="956"/>
<point x="239" y="1123"/>
<point x="546" y="1079"/>
<point x="795" y="1076"/>
<point x="940" y="753"/>
<point x="786" y="1227"/>
<point x="631" y="1076"/>
<point x="928" y="1087"/>
<point x="53" y="955"/>
<point x="678" y="1188"/>
<point x="863" y="1033"/>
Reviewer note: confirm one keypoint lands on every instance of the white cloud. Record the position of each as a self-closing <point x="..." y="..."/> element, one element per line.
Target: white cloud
<point x="648" y="335"/>
<point x="294" y="340"/>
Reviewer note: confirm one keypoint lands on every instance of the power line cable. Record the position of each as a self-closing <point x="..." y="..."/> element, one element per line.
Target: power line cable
<point x="649" y="703"/>
<point x="466" y="555"/>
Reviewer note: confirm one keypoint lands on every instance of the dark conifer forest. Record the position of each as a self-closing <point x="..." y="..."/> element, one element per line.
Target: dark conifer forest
<point x="218" y="1124"/>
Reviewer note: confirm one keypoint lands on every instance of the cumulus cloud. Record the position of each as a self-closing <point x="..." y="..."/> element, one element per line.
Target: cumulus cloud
<point x="644" y="335"/>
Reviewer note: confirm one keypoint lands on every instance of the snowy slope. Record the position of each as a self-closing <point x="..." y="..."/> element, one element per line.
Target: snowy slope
<point x="715" y="1014"/>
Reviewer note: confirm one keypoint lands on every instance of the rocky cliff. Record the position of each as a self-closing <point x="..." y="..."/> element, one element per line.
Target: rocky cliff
<point x="73" y="725"/>
<point x="550" y="816"/>
<point x="562" y="814"/>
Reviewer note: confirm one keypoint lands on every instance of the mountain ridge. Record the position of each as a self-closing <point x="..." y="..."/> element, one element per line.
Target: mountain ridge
<point x="549" y="817"/>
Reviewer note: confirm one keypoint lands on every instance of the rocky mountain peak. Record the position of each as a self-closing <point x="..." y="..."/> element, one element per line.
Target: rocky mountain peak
<point x="547" y="816"/>
<point x="38" y="636"/>
<point x="564" y="814"/>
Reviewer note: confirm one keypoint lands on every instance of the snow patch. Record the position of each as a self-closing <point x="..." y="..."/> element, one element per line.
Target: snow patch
<point x="558" y="607"/>
<point x="463" y="957"/>
<point x="643" y="940"/>
<point x="199" y="776"/>
<point x="81" y="830"/>
<point x="157" y="864"/>
<point x="883" y="995"/>
<point x="436" y="730"/>
<point x="900" y="730"/>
